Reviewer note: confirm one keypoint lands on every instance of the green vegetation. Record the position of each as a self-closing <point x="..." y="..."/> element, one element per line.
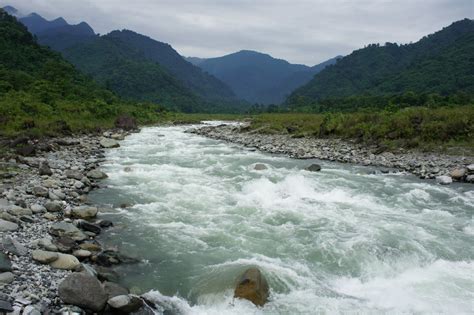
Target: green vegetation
<point x="42" y="94"/>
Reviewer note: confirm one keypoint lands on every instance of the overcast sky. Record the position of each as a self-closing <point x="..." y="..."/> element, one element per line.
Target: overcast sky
<point x="300" y="31"/>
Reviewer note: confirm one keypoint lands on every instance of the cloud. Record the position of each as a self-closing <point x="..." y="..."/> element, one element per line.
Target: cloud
<point x="301" y="31"/>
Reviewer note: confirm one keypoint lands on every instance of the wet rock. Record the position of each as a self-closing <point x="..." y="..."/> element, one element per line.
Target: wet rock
<point x="93" y="247"/>
<point x="44" y="169"/>
<point x="7" y="226"/>
<point x="40" y="191"/>
<point x="6" y="277"/>
<point x="84" y="212"/>
<point x="125" y="303"/>
<point x="83" y="290"/>
<point x="53" y="206"/>
<point x="86" y="226"/>
<point x="5" y="263"/>
<point x="96" y="174"/>
<point x="12" y="246"/>
<point x="108" y="258"/>
<point x="260" y="167"/>
<point x="6" y="307"/>
<point x="108" y="143"/>
<point x="470" y="178"/>
<point x="82" y="253"/>
<point x="105" y="223"/>
<point x="44" y="257"/>
<point x="106" y="274"/>
<point x="127" y="169"/>
<point x="113" y="289"/>
<point x="252" y="286"/>
<point x="444" y="180"/>
<point x="65" y="244"/>
<point x="65" y="262"/>
<point x="67" y="229"/>
<point x="313" y="168"/>
<point x="458" y="174"/>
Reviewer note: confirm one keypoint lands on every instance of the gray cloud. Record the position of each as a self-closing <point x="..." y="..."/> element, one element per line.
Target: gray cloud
<point x="300" y="31"/>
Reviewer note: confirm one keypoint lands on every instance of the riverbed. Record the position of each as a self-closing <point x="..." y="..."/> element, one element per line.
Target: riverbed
<point x="348" y="238"/>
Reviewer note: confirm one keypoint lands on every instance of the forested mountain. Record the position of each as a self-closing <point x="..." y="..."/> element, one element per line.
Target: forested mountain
<point x="440" y="63"/>
<point x="42" y="92"/>
<point x="257" y="77"/>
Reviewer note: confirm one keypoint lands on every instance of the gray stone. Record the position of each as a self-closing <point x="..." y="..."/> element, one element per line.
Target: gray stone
<point x="44" y="169"/>
<point x="43" y="256"/>
<point x="83" y="290"/>
<point x="65" y="262"/>
<point x="444" y="180"/>
<point x="7" y="226"/>
<point x="470" y="168"/>
<point x="113" y="289"/>
<point x="6" y="307"/>
<point x="11" y="245"/>
<point x="19" y="211"/>
<point x="125" y="303"/>
<point x="313" y="168"/>
<point x="78" y="184"/>
<point x="82" y="253"/>
<point x="40" y="191"/>
<point x="36" y="208"/>
<point x="458" y="174"/>
<point x="84" y="212"/>
<point x="67" y="229"/>
<point x="470" y="178"/>
<point x="53" y="206"/>
<point x="96" y="174"/>
<point x="6" y="277"/>
<point x="5" y="263"/>
<point x="108" y="143"/>
<point x="47" y="244"/>
<point x="260" y="167"/>
<point x="73" y="174"/>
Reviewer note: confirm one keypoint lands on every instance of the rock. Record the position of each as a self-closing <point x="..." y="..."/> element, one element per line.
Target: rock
<point x="50" y="183"/>
<point x="83" y="290"/>
<point x="19" y="211"/>
<point x="49" y="216"/>
<point x="44" y="169"/>
<point x="6" y="277"/>
<point x="313" y="168"/>
<point x="5" y="263"/>
<point x="26" y="150"/>
<point x="105" y="223"/>
<point x="106" y="274"/>
<point x="65" y="262"/>
<point x="113" y="289"/>
<point x="78" y="184"/>
<point x="96" y="174"/>
<point x="86" y="226"/>
<point x="127" y="169"/>
<point x="53" y="206"/>
<point x="252" y="286"/>
<point x="36" y="208"/>
<point x="12" y="246"/>
<point x="84" y="212"/>
<point x="7" y="226"/>
<point x="40" y="191"/>
<point x="108" y="143"/>
<point x="470" y="178"/>
<point x="44" y="257"/>
<point x="117" y="136"/>
<point x="65" y="244"/>
<point x="82" y="253"/>
<point x="444" y="180"/>
<point x="125" y="303"/>
<point x="260" y="167"/>
<point x="458" y="174"/>
<point x="108" y="258"/>
<point x="125" y="122"/>
<point x="470" y="168"/>
<point x="73" y="174"/>
<point x="47" y="244"/>
<point x="67" y="229"/>
<point x="90" y="247"/>
<point x="6" y="307"/>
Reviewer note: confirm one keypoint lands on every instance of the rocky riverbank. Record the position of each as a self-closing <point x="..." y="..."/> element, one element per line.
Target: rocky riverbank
<point x="50" y="259"/>
<point x="444" y="168"/>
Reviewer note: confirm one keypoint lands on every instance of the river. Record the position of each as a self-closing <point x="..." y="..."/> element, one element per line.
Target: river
<point x="343" y="240"/>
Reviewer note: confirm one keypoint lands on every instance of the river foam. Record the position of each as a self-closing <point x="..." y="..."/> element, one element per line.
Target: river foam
<point x="342" y="240"/>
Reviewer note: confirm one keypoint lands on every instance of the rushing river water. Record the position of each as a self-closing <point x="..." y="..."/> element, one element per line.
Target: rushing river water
<point x="343" y="240"/>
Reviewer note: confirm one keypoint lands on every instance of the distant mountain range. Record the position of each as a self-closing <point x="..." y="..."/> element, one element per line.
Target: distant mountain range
<point x="258" y="77"/>
<point x="441" y="63"/>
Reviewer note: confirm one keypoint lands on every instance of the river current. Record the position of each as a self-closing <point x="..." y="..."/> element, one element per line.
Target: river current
<point x="347" y="239"/>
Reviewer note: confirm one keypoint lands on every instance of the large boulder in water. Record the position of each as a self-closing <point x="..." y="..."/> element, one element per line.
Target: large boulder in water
<point x="252" y="286"/>
<point x="313" y="168"/>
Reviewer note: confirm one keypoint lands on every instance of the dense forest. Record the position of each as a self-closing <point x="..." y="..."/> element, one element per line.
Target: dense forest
<point x="40" y="92"/>
<point x="429" y="71"/>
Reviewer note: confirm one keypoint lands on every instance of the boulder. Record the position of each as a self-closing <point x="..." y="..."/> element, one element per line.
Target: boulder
<point x="444" y="180"/>
<point x="313" y="168"/>
<point x="125" y="303"/>
<point x="67" y="229"/>
<point x="93" y="247"/>
<point x="84" y="212"/>
<point x="126" y="122"/>
<point x="96" y="174"/>
<point x="12" y="246"/>
<point x="43" y="256"/>
<point x="36" y="208"/>
<point x="53" y="206"/>
<point x="83" y="290"/>
<point x="19" y="211"/>
<point x="7" y="226"/>
<point x="113" y="289"/>
<point x="6" y="307"/>
<point x="47" y="244"/>
<point x="252" y="286"/>
<point x="5" y="263"/>
<point x="470" y="178"/>
<point x="6" y="277"/>
<point x="44" y="169"/>
<point x="73" y="174"/>
<point x="260" y="167"/>
<point x="458" y="174"/>
<point x="65" y="244"/>
<point x="86" y="226"/>
<point x="470" y="168"/>
<point x="82" y="253"/>
<point x="108" y="143"/>
<point x="40" y="191"/>
<point x="65" y="262"/>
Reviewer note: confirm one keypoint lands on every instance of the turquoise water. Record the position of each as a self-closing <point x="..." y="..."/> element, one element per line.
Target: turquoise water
<point x="342" y="240"/>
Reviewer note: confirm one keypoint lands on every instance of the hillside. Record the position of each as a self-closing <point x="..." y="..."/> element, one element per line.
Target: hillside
<point x="257" y="77"/>
<point x="440" y="63"/>
<point x="40" y="92"/>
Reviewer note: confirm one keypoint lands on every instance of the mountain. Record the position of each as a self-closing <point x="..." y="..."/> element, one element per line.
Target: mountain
<point x="40" y="92"/>
<point x="441" y="63"/>
<point x="11" y="10"/>
<point x="122" y="68"/>
<point x="258" y="77"/>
